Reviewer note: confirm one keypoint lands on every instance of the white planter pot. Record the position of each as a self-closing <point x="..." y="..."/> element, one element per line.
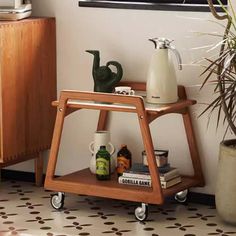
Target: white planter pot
<point x="226" y="182"/>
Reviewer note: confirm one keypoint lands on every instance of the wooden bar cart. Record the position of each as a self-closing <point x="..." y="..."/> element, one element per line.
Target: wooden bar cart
<point x="83" y="182"/>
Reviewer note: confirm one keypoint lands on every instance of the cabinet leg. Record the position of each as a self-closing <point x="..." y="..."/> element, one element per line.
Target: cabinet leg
<point x="38" y="168"/>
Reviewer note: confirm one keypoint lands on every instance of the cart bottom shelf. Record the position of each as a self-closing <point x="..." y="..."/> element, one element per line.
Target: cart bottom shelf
<point x="83" y="182"/>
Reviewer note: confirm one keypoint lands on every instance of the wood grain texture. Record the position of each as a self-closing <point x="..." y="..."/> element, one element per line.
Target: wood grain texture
<point x="103" y="120"/>
<point x="39" y="170"/>
<point x="28" y="86"/>
<point x="83" y="182"/>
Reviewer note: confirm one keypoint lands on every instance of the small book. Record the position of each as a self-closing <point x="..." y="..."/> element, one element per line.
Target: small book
<point x="164" y="169"/>
<point x="173" y="172"/>
<point x="11" y="3"/>
<point x="136" y="174"/>
<point x="138" y="170"/>
<point x="135" y="181"/>
<point x="148" y="182"/>
<point x="139" y="167"/>
<point x="170" y="183"/>
<point x="14" y="16"/>
<point x="21" y="9"/>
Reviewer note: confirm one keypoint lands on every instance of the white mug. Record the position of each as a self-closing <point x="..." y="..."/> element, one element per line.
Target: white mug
<point x="125" y="90"/>
<point x="101" y="138"/>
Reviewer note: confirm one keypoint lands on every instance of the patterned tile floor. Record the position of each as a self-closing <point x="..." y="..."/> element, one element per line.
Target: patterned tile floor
<point x="25" y="210"/>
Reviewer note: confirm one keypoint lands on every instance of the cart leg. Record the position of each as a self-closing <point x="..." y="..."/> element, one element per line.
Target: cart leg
<point x="141" y="213"/>
<point x="57" y="200"/>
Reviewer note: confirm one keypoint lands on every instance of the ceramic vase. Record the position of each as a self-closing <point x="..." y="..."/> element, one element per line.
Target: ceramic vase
<point x="225" y="194"/>
<point x="101" y="138"/>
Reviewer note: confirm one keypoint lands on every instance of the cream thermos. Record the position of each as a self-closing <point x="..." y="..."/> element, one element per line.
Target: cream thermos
<point x="161" y="83"/>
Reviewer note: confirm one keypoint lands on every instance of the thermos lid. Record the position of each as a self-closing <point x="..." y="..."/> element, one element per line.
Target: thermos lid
<point x="164" y="43"/>
<point x="161" y="43"/>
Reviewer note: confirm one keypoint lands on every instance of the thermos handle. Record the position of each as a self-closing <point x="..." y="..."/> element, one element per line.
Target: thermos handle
<point x="91" y="148"/>
<point x="177" y="54"/>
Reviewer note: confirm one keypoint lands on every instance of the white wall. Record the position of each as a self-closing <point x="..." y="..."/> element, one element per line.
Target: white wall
<point x="122" y="35"/>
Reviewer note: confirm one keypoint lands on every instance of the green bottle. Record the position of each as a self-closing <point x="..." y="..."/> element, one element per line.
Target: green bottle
<point x="103" y="164"/>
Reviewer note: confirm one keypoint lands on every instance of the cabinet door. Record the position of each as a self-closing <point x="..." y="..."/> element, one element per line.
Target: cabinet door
<point x="28" y="86"/>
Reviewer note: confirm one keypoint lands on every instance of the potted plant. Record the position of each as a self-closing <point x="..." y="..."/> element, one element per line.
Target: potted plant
<point x="221" y="72"/>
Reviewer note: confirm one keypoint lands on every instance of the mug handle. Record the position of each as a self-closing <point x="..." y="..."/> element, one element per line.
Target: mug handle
<point x="91" y="147"/>
<point x="132" y="92"/>
<point x="112" y="148"/>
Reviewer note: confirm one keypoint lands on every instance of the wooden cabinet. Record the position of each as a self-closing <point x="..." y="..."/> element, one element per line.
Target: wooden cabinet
<point x="27" y="88"/>
<point x="83" y="182"/>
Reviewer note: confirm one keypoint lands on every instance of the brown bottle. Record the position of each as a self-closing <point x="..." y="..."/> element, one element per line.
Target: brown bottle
<point x="124" y="160"/>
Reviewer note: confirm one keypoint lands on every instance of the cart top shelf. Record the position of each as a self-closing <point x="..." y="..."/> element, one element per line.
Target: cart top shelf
<point x="114" y="102"/>
<point x="126" y="103"/>
<point x="125" y="107"/>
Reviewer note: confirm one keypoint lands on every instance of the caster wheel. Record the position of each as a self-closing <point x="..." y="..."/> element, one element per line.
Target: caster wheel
<point x="141" y="213"/>
<point x="57" y="200"/>
<point x="181" y="196"/>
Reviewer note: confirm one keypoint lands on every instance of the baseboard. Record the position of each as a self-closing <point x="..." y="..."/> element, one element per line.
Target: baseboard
<point x="200" y="198"/>
<point x="18" y="175"/>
